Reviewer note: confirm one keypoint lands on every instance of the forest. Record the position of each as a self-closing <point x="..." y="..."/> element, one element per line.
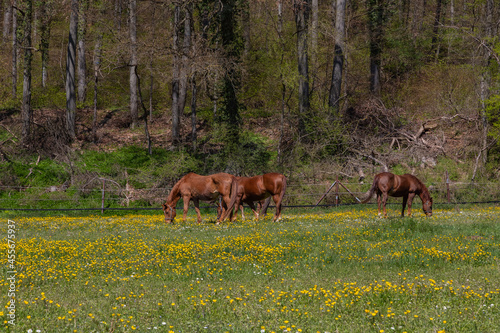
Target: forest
<point x="141" y="92"/>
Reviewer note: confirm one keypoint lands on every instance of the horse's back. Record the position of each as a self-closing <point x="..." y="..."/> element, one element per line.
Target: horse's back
<point x="415" y="184"/>
<point x="222" y="178"/>
<point x="273" y="181"/>
<point x="398" y="185"/>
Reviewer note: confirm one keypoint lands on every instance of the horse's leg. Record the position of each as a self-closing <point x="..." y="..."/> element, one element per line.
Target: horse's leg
<point x="264" y="206"/>
<point x="277" y="201"/>
<point x="254" y="210"/>
<point x="226" y="200"/>
<point x="385" y="196"/>
<point x="237" y="207"/>
<point x="197" y="209"/>
<point x="260" y="205"/>
<point x="410" y="200"/>
<point x="405" y="199"/>
<point x="379" y="202"/>
<point x="186" y="207"/>
<point x="242" y="212"/>
<point x="219" y="208"/>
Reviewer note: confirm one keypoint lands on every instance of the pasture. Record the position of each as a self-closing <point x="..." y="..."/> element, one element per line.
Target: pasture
<point x="317" y="270"/>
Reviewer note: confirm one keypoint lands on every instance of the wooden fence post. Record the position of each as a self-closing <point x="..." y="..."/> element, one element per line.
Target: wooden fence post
<point x="102" y="199"/>
<point x="337" y="191"/>
<point x="447" y="186"/>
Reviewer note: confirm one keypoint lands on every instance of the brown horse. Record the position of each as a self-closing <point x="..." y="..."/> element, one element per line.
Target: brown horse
<point x="406" y="186"/>
<point x="205" y="188"/>
<point x="258" y="188"/>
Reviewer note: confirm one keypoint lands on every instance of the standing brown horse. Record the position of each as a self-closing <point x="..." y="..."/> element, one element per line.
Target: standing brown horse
<point x="205" y="188"/>
<point x="258" y="188"/>
<point x="406" y="186"/>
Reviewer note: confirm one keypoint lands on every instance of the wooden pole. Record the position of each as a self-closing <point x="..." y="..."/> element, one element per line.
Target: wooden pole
<point x="337" y="191"/>
<point x="324" y="195"/>
<point x="448" y="187"/>
<point x="355" y="197"/>
<point x="102" y="198"/>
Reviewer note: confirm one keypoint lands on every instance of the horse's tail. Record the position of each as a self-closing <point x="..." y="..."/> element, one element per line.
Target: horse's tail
<point x="283" y="189"/>
<point x="265" y="206"/>
<point x="369" y="194"/>
<point x="234" y="194"/>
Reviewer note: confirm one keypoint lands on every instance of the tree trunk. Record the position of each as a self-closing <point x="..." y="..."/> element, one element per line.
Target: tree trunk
<point x="230" y="116"/>
<point x="283" y="85"/>
<point x="184" y="69"/>
<point x="151" y="90"/>
<point x="245" y="12"/>
<point x="146" y="128"/>
<point x="6" y="20"/>
<point x="435" y="28"/>
<point x="28" y="55"/>
<point x="97" y="66"/>
<point x="301" y="9"/>
<point x="151" y="63"/>
<point x="70" y="70"/>
<point x="45" y="21"/>
<point x="14" y="49"/>
<point x="486" y="78"/>
<point x="175" y="77"/>
<point x="118" y="14"/>
<point x="133" y="63"/>
<point x="82" y="65"/>
<point x="338" y="59"/>
<point x="193" y="112"/>
<point x="375" y="29"/>
<point x="491" y="27"/>
<point x="314" y="31"/>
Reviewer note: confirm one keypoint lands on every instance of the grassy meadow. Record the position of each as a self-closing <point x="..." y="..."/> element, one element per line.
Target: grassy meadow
<point x="318" y="270"/>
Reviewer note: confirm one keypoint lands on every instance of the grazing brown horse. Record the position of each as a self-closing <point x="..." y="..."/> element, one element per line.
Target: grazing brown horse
<point x="406" y="186"/>
<point x="258" y="188"/>
<point x="205" y="188"/>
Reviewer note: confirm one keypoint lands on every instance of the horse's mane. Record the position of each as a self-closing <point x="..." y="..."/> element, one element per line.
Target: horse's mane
<point x="424" y="190"/>
<point x="174" y="193"/>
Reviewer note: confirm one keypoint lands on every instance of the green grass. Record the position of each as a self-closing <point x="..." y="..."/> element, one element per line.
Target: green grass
<point x="325" y="270"/>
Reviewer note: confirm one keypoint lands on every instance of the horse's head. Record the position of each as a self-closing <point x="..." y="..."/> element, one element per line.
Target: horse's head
<point x="427" y="206"/>
<point x="169" y="212"/>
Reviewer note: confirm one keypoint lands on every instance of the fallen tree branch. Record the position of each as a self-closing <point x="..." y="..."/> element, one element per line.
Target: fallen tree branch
<point x="384" y="166"/>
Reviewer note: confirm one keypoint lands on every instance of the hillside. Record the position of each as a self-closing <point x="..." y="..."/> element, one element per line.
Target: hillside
<point x="414" y="96"/>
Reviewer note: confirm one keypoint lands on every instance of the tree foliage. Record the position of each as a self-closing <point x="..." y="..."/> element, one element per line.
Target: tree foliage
<point x="243" y="62"/>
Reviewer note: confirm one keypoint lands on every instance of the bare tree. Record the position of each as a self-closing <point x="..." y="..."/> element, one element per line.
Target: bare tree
<point x="193" y="112"/>
<point x="246" y="25"/>
<point x="45" y="8"/>
<point x="133" y="62"/>
<point x="338" y="59"/>
<point x="70" y="70"/>
<point x="82" y="64"/>
<point x="184" y="69"/>
<point x="175" y="75"/>
<point x="435" y="29"/>
<point x="14" y="48"/>
<point x="314" y="30"/>
<point x="97" y="67"/>
<point x="151" y="57"/>
<point x="485" y="85"/>
<point x="26" y="111"/>
<point x="7" y="15"/>
<point x="375" y="30"/>
<point x="301" y="9"/>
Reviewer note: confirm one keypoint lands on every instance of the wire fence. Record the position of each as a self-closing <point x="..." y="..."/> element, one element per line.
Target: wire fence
<point x="111" y="196"/>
